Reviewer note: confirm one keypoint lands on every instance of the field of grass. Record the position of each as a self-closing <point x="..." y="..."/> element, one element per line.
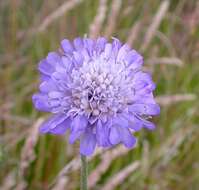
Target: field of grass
<point x="165" y="32"/>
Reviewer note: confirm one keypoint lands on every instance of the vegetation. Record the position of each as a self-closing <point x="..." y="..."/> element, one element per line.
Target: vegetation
<point x="165" y="32"/>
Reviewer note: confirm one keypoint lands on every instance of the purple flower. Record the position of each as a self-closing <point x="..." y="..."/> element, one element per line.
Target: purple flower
<point x="97" y="90"/>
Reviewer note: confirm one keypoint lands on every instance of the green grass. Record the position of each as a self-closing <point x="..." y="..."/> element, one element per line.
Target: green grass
<point x="169" y="156"/>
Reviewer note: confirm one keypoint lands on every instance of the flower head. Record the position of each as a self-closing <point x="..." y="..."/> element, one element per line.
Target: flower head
<point x="98" y="91"/>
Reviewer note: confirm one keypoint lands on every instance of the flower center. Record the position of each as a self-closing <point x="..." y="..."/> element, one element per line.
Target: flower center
<point x="101" y="87"/>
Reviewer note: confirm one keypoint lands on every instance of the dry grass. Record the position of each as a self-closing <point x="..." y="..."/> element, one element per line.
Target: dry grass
<point x="166" y="32"/>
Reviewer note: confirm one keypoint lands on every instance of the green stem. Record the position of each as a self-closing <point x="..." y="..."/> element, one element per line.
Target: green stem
<point x="84" y="172"/>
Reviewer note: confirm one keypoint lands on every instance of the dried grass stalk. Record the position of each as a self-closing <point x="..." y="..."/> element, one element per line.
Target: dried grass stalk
<point x="107" y="159"/>
<point x="166" y="100"/>
<point x="60" y="11"/>
<point x="165" y="60"/>
<point x="28" y="152"/>
<point x="155" y="23"/>
<point x="71" y="166"/>
<point x="8" y="182"/>
<point x="112" y="18"/>
<point x="61" y="185"/>
<point x="133" y="34"/>
<point x="121" y="176"/>
<point x="96" y="25"/>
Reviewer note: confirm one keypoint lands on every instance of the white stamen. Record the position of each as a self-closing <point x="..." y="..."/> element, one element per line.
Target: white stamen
<point x="101" y="87"/>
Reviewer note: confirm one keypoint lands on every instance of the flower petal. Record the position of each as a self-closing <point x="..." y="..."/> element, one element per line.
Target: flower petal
<point x="56" y="94"/>
<point x="145" y="109"/>
<point x="53" y="122"/>
<point x="78" y="43"/>
<point x="123" y="52"/>
<point x="78" y="126"/>
<point x="134" y="59"/>
<point x="45" y="68"/>
<point x="120" y="134"/>
<point x="53" y="58"/>
<point x="40" y="102"/>
<point x="78" y="58"/>
<point x="107" y="50"/>
<point x="100" y="44"/>
<point x="133" y="122"/>
<point x="67" y="46"/>
<point x="89" y="44"/>
<point x="87" y="143"/>
<point x="116" y="44"/>
<point x="126" y="137"/>
<point x="121" y="121"/>
<point x="102" y="134"/>
<point x="147" y="124"/>
<point x="61" y="128"/>
<point x="48" y="86"/>
<point x="114" y="136"/>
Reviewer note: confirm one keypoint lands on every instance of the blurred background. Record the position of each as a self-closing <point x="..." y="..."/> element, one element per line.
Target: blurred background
<point x="165" y="32"/>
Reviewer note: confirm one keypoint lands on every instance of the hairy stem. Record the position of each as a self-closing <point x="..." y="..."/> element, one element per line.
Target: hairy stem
<point x="84" y="172"/>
